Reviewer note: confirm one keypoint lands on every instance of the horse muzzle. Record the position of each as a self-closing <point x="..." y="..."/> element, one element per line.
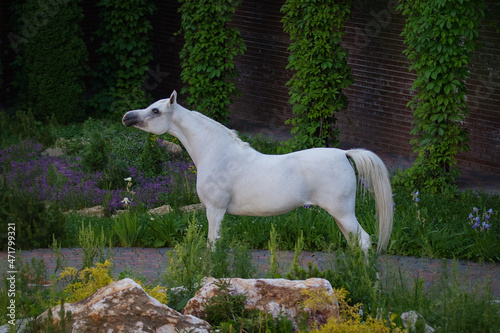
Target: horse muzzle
<point x="130" y="119"/>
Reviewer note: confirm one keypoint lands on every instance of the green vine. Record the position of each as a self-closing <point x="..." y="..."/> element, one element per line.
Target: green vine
<point x="208" y="54"/>
<point x="321" y="70"/>
<point x="52" y="60"/>
<point x="125" y="54"/>
<point x="441" y="37"/>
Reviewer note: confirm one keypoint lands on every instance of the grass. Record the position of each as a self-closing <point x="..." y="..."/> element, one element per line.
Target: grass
<point x="426" y="225"/>
<point x="436" y="226"/>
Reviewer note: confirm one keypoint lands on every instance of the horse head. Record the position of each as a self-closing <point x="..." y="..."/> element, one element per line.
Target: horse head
<point x="156" y="118"/>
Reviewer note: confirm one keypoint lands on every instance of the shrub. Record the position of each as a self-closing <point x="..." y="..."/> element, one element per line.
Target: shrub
<point x="125" y="53"/>
<point x="130" y="228"/>
<point x="208" y="56"/>
<point x="152" y="157"/>
<point x="92" y="245"/>
<point x="53" y="60"/>
<point x="96" y="153"/>
<point x="350" y="319"/>
<point x="188" y="264"/>
<point x="441" y="38"/>
<point x="35" y="223"/>
<point x="321" y="70"/>
<point x="224" y="306"/>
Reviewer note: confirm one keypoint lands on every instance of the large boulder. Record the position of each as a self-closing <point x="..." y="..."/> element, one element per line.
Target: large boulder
<point x="274" y="296"/>
<point x="123" y="306"/>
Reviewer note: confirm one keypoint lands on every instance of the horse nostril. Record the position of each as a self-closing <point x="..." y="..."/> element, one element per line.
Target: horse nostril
<point x="129" y="119"/>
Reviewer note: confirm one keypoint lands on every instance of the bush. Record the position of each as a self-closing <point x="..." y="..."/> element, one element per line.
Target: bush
<point x="53" y="61"/>
<point x="96" y="154"/>
<point x="35" y="224"/>
<point x="321" y="70"/>
<point x="441" y="38"/>
<point x="152" y="157"/>
<point x="208" y="56"/>
<point x="125" y="54"/>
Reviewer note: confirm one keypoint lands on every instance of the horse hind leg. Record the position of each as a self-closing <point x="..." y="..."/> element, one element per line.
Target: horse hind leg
<point x="352" y="231"/>
<point x="343" y="213"/>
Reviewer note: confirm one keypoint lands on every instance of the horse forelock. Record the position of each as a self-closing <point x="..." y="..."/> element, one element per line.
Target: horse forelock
<point x="221" y="128"/>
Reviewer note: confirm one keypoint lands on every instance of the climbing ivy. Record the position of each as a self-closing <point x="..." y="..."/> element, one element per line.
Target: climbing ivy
<point x="207" y="55"/>
<point x="320" y="70"/>
<point x="125" y="53"/>
<point x="51" y="60"/>
<point x="440" y="36"/>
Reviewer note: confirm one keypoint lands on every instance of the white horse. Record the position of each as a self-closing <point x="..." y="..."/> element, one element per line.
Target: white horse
<point x="233" y="178"/>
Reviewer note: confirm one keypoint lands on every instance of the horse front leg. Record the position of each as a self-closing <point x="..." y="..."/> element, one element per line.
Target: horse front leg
<point x="214" y="216"/>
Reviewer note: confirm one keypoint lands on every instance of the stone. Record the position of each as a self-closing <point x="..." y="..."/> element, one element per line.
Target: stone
<point x="20" y="326"/>
<point x="123" y="306"/>
<point x="162" y="210"/>
<point x="193" y="208"/>
<point x="97" y="211"/>
<point x="274" y="296"/>
<point x="410" y="319"/>
<point x="171" y="147"/>
<point x="53" y="152"/>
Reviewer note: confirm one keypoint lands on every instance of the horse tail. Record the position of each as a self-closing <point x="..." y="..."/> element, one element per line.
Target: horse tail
<point x="373" y="173"/>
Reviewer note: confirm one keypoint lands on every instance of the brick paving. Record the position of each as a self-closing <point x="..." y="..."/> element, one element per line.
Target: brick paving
<point x="152" y="263"/>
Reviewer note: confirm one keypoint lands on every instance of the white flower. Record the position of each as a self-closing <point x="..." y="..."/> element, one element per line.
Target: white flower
<point x="129" y="179"/>
<point x="126" y="201"/>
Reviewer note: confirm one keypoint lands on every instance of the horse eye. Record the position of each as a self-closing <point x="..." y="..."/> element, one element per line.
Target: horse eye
<point x="155" y="110"/>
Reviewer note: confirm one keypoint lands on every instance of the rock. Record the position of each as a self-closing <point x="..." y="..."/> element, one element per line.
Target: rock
<point x="20" y="326"/>
<point x="97" y="211"/>
<point x="192" y="208"/>
<point x="165" y="209"/>
<point x="410" y="320"/>
<point x="123" y="306"/>
<point x="53" y="152"/>
<point x="274" y="296"/>
<point x="171" y="147"/>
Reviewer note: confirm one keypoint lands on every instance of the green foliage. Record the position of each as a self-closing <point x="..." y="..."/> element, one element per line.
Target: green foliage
<point x="441" y="37"/>
<point x="48" y="325"/>
<point x="92" y="244"/>
<point x="35" y="223"/>
<point x="168" y="229"/>
<point x="24" y="126"/>
<point x="227" y="313"/>
<point x="52" y="61"/>
<point x="357" y="273"/>
<point x="96" y="154"/>
<point x="320" y="70"/>
<point x="113" y="177"/>
<point x="125" y="53"/>
<point x="208" y="56"/>
<point x="188" y="263"/>
<point x="152" y="156"/>
<point x="273" y="271"/>
<point x="130" y="228"/>
<point x="31" y="296"/>
<point x="448" y="304"/>
<point x="224" y="306"/>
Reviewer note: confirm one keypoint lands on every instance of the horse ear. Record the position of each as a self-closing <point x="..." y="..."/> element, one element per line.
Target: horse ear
<point x="173" y="98"/>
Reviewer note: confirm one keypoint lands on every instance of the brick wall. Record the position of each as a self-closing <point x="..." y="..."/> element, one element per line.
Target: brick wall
<point x="377" y="117"/>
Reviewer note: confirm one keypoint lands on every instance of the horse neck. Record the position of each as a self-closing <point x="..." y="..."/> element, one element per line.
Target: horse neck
<point x="203" y="138"/>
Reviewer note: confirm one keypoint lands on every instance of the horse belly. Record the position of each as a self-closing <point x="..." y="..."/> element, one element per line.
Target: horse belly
<point x="267" y="193"/>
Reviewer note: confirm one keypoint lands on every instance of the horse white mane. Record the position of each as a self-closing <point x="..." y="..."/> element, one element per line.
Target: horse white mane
<point x="232" y="133"/>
